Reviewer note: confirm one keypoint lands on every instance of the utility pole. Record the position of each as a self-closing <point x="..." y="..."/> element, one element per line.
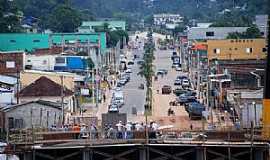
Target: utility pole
<point x="62" y="99"/>
<point x="18" y="79"/>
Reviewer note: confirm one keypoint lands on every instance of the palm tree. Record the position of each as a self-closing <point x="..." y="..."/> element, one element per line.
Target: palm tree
<point x="146" y="71"/>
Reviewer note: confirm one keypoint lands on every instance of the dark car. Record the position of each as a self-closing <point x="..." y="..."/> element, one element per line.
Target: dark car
<point x="186" y="98"/>
<point x="195" y="110"/>
<point x="140" y="62"/>
<point x="162" y="72"/>
<point x="179" y="91"/>
<point x="166" y="89"/>
<point x="130" y="63"/>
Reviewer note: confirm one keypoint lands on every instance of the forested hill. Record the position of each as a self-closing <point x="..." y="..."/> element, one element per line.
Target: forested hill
<point x="189" y="8"/>
<point x="140" y="8"/>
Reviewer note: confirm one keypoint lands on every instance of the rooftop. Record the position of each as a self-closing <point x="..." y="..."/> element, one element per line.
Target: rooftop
<point x="42" y="102"/>
<point x="44" y="87"/>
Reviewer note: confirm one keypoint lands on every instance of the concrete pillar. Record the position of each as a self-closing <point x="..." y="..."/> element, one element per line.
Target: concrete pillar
<point x="28" y="156"/>
<point x="258" y="154"/>
<point x="199" y="154"/>
<point x="142" y="154"/>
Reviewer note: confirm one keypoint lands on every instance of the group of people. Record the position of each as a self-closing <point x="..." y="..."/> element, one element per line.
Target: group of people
<point x="117" y="131"/>
<point x="128" y="130"/>
<point x="84" y="130"/>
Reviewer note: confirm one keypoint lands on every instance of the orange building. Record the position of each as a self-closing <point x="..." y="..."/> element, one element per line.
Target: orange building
<point x="236" y="49"/>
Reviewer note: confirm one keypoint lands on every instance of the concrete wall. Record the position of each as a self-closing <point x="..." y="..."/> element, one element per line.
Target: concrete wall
<point x="24" y="113"/>
<point x="236" y="49"/>
<point x="219" y="32"/>
<point x="29" y="77"/>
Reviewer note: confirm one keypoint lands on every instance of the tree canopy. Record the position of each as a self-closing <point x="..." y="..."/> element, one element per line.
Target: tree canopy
<point x="71" y="21"/>
<point x="251" y="32"/>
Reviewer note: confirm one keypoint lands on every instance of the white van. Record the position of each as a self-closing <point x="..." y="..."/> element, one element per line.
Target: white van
<point x="118" y="97"/>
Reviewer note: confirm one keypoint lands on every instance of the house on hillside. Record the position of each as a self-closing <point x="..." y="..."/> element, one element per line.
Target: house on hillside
<point x="91" y="26"/>
<point x="46" y="89"/>
<point x="38" y="113"/>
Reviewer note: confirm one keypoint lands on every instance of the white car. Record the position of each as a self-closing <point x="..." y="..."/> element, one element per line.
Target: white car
<point x="113" y="108"/>
<point x="128" y="70"/>
<point x="185" y="83"/>
<point x="178" y="68"/>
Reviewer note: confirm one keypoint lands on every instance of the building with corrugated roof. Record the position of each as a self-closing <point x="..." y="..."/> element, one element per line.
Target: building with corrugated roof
<point x="31" y="41"/>
<point x="91" y="26"/>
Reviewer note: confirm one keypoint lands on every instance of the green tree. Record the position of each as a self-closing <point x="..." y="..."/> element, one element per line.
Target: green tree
<point x="9" y="17"/>
<point x="146" y="70"/>
<point x="251" y="32"/>
<point x="64" y="19"/>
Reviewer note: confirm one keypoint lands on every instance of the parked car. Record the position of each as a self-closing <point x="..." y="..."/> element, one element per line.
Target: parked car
<point x="178" y="68"/>
<point x="195" y="110"/>
<point x="166" y="89"/>
<point x="186" y="98"/>
<point x="130" y="63"/>
<point x="140" y="62"/>
<point x="181" y="77"/>
<point x="113" y="108"/>
<point x="179" y="91"/>
<point x="177" y="82"/>
<point x="175" y="65"/>
<point x="185" y="83"/>
<point x="129" y="70"/>
<point x="162" y="72"/>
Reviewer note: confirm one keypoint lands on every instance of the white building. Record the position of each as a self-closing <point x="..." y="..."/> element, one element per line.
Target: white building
<point x="262" y="21"/>
<point x="8" y="88"/>
<point x="206" y="33"/>
<point x="163" y="19"/>
<point x="40" y="62"/>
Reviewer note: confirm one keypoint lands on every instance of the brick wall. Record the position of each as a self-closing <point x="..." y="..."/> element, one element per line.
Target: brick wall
<point x="10" y="63"/>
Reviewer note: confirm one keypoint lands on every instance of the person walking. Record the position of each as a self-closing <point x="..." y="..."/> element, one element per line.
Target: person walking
<point x="120" y="130"/>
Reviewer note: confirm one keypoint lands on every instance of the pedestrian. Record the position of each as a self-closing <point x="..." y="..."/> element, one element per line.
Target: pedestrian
<point x="191" y="126"/>
<point x="128" y="130"/>
<point x="104" y="97"/>
<point x="120" y="130"/>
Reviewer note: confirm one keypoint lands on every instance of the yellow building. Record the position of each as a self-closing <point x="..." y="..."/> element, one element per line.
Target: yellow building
<point x="29" y="76"/>
<point x="236" y="49"/>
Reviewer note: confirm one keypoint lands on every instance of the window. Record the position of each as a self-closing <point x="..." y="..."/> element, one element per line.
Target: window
<point x="10" y="122"/>
<point x="12" y="41"/>
<point x="10" y="64"/>
<point x="18" y="123"/>
<point x="232" y="41"/>
<point x="28" y="60"/>
<point x="264" y="49"/>
<point x="216" y="50"/>
<point x="210" y="34"/>
<point x="235" y="49"/>
<point x="248" y="50"/>
<point x="244" y="41"/>
<point x="60" y="60"/>
<point x="36" y="40"/>
<point x="44" y="62"/>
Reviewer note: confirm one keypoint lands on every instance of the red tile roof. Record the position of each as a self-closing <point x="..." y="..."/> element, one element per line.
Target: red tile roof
<point x="199" y="47"/>
<point x="44" y="87"/>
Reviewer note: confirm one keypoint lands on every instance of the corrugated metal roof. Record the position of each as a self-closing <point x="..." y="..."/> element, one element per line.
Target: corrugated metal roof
<point x="42" y="102"/>
<point x="8" y="80"/>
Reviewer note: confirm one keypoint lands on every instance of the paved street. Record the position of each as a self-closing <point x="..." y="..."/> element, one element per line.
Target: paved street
<point x="134" y="97"/>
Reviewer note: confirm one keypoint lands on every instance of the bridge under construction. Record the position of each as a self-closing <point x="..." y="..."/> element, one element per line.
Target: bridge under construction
<point x="234" y="145"/>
